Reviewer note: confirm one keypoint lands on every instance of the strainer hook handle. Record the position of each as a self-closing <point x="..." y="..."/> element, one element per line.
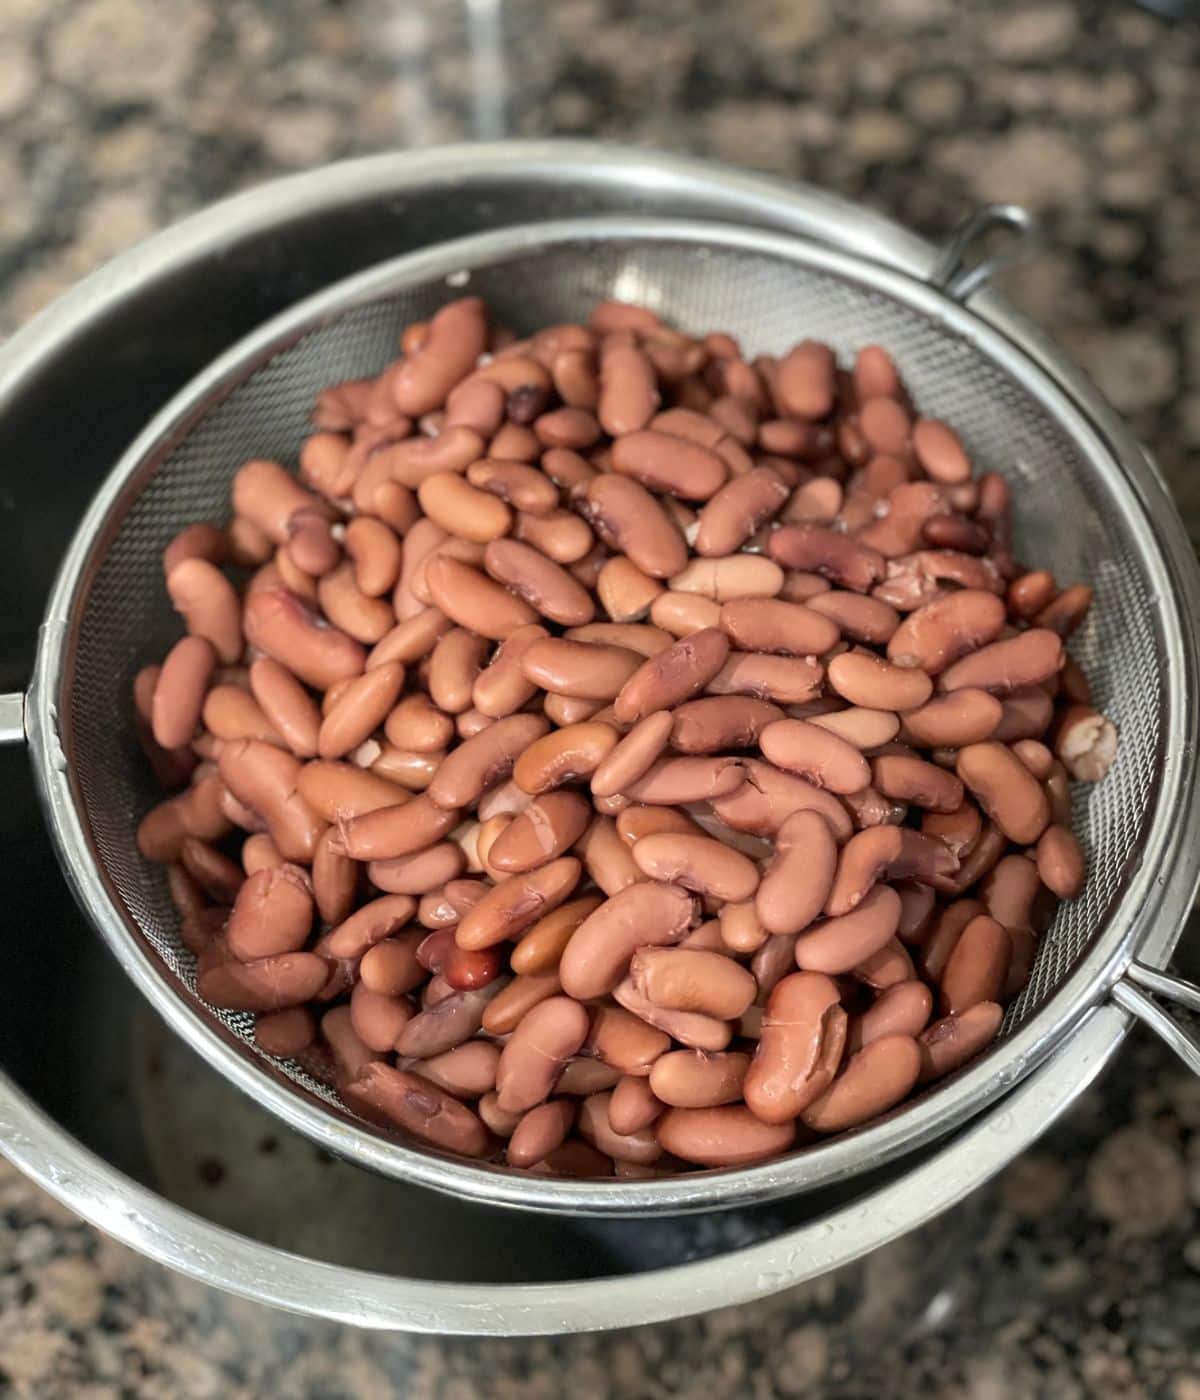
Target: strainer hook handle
<point x="1131" y="994"/>
<point x="12" y="719"/>
<point x="958" y="276"/>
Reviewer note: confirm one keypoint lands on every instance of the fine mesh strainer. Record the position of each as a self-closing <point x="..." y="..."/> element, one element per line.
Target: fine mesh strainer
<point x="1079" y="511"/>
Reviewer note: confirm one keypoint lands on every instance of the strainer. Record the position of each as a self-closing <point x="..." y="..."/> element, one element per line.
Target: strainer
<point x="1081" y="490"/>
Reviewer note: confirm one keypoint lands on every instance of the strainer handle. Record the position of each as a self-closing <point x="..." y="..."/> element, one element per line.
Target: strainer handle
<point x="12" y="718"/>
<point x="1131" y="994"/>
<point x="957" y="276"/>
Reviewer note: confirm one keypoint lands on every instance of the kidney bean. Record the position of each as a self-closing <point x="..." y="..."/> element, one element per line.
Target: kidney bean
<point x="264" y="984"/>
<point x="420" y="872"/>
<point x="390" y="967"/>
<point x="1086" y="743"/>
<point x="698" y="864"/>
<point x="806" y="380"/>
<point x="1026" y="659"/>
<point x="1067" y="611"/>
<point x="937" y="448"/>
<point x="482" y="761"/>
<point x="864" y="679"/>
<point x="502" y="1124"/>
<point x="797" y="882"/>
<point x="180" y="690"/>
<point x="285" y="1034"/>
<point x="901" y="1009"/>
<point x="631" y="522"/>
<point x="950" y="1043"/>
<point x="960" y="830"/>
<point x="208" y="604"/>
<point x="594" y="1125"/>
<point x="861" y="619"/>
<point x="692" y="1028"/>
<point x="448" y="1022"/>
<point x="770" y="625"/>
<point x="360" y="709"/>
<point x="584" y="670"/>
<point x="633" y="755"/>
<point x="647" y="641"/>
<point x="727" y="1136"/>
<point x="914" y="781"/>
<point x="279" y="625"/>
<point x="738" y="930"/>
<point x="195" y="812"/>
<point x="474" y="601"/>
<point x="977" y="965"/>
<point x="201" y="541"/>
<point x="843" y="942"/>
<point x="416" y="1105"/>
<point x="788" y="680"/>
<point x="917" y="904"/>
<point x="548" y="827"/>
<point x="676" y="780"/>
<point x="513" y="905"/>
<point x="693" y="1079"/>
<point x="468" y="1071"/>
<point x="337" y="791"/>
<point x="265" y="779"/>
<point x="564" y="756"/>
<point x="637" y="822"/>
<point x="398" y="830"/>
<point x="760" y="805"/>
<point x="633" y="1105"/>
<point x="941" y="632"/>
<point x="540" y="1130"/>
<point x="454" y="668"/>
<point x="273" y="913"/>
<point x="733" y="576"/>
<point x="875" y="375"/>
<point x="416" y="724"/>
<point x="672" y="676"/>
<point x="1036" y="757"/>
<point x="799" y="1050"/>
<point x="864" y="729"/>
<point x="557" y="534"/>
<point x="623" y="1042"/>
<point x="886" y="852"/>
<point x="1060" y="862"/>
<point x="819" y="756"/>
<point x="219" y="877"/>
<point x="737" y="509"/>
<point x="686" y="979"/>
<point x="544" y="585"/>
<point x="625" y="592"/>
<point x="517" y="998"/>
<point x="682" y="613"/>
<point x="874" y="1080"/>
<point x="669" y="464"/>
<point x="963" y="717"/>
<point x="457" y="336"/>
<point x="598" y="953"/>
<point x="541" y="946"/>
<point x="543" y="1040"/>
<point x="815" y="549"/>
<point x="1005" y="789"/>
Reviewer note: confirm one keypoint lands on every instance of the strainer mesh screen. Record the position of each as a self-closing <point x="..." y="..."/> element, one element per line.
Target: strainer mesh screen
<point x="1067" y="520"/>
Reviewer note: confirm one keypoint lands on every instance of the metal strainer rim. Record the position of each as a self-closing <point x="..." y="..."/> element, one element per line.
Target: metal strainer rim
<point x="1148" y="905"/>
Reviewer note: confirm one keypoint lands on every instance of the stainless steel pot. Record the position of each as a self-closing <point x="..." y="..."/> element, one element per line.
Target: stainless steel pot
<point x="271" y="246"/>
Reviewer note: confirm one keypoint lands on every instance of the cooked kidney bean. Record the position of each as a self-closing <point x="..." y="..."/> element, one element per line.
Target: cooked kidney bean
<point x="631" y="738"/>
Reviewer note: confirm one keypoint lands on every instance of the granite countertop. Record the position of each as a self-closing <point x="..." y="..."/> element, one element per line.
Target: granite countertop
<point x="1082" y="1274"/>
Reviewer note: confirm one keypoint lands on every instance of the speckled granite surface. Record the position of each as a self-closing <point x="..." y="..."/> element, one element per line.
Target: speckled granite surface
<point x="1082" y="1274"/>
